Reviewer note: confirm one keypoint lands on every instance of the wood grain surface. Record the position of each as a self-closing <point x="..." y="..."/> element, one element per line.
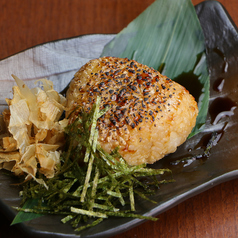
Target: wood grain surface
<point x="26" y="23"/>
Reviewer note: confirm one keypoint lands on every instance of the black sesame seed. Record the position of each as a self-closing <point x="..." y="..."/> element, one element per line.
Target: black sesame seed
<point x="101" y="84"/>
<point x="133" y="125"/>
<point x="127" y="121"/>
<point x="132" y="87"/>
<point x="119" y="115"/>
<point x="131" y="71"/>
<point x="116" y="72"/>
<point x="113" y="121"/>
<point x="122" y="91"/>
<point x="95" y="90"/>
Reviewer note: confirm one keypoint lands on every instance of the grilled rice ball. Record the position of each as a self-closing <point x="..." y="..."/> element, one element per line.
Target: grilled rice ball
<point x="150" y="115"/>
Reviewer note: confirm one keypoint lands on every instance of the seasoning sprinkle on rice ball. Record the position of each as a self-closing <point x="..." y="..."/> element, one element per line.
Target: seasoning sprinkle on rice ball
<point x="150" y="115"/>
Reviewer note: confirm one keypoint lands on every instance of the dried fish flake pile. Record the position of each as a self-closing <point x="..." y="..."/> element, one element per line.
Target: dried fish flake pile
<point x="32" y="131"/>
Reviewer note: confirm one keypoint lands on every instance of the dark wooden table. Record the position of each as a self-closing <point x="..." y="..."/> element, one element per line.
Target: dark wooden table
<point x="26" y="23"/>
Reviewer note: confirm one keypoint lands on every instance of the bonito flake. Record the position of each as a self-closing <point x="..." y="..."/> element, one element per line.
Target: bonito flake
<point x="35" y="133"/>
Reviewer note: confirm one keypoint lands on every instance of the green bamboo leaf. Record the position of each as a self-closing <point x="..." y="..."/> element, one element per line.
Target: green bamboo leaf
<point x="168" y="37"/>
<point x="27" y="216"/>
